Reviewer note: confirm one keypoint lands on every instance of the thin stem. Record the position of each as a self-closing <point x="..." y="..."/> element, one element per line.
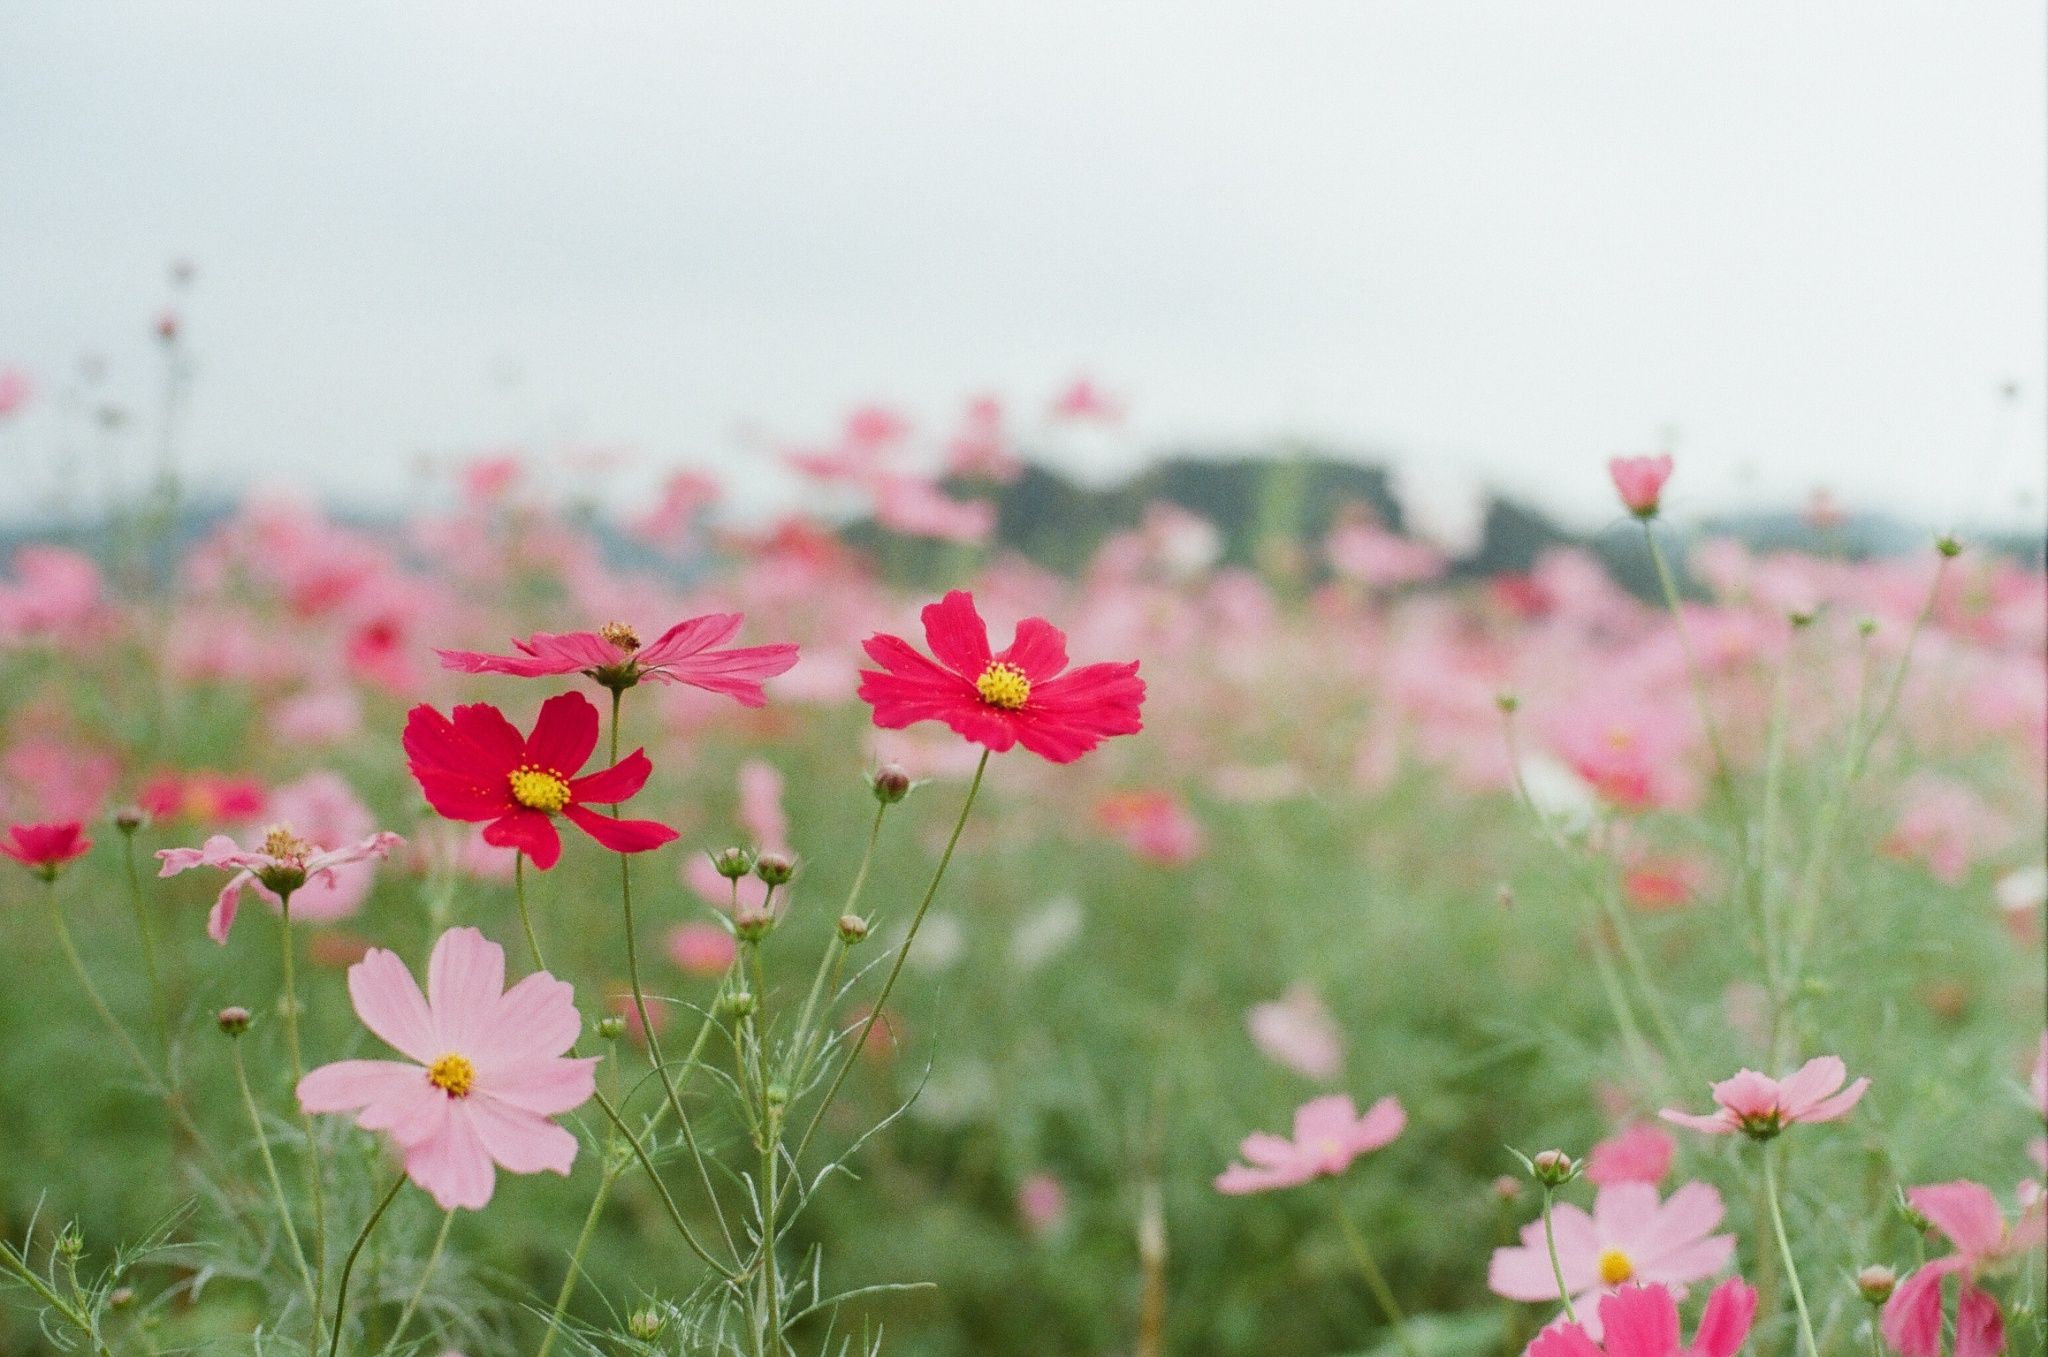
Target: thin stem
<point x="1556" y="1268"/>
<point x="1374" y="1278"/>
<point x="147" y="936"/>
<point x="1724" y="777"/>
<point x="896" y="968"/>
<point x="1785" y="1251"/>
<point x="28" y="1277"/>
<point x="834" y="957"/>
<point x="647" y="1165"/>
<point x="604" y="1190"/>
<point x="426" y="1275"/>
<point x="284" y="1210"/>
<point x="526" y="918"/>
<point x="314" y="1177"/>
<point x="341" y="1291"/>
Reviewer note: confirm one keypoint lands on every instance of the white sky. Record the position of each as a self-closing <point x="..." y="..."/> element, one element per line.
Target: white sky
<point x="1508" y="238"/>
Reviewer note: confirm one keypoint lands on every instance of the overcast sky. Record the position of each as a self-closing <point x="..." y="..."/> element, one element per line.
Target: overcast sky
<point x="1804" y="241"/>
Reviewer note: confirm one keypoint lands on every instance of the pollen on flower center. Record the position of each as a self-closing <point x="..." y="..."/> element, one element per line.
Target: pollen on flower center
<point x="1615" y="1268"/>
<point x="538" y="789"/>
<point x="453" y="1075"/>
<point x="620" y="635"/>
<point x="1003" y="685"/>
<point x="280" y="842"/>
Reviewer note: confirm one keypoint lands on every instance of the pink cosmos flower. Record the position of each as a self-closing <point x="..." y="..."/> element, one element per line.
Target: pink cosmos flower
<point x="1328" y="1134"/>
<point x="612" y="655"/>
<point x="1630" y="1236"/>
<point x="1760" y="1106"/>
<point x="1970" y="1217"/>
<point x="914" y="507"/>
<point x="284" y="864"/>
<point x="702" y="948"/>
<point x="1023" y="694"/>
<point x="322" y="808"/>
<point x="1642" y="1321"/>
<point x="1640" y="482"/>
<point x="761" y="806"/>
<point x="1297" y="1031"/>
<point x="45" y="848"/>
<point x="485" y="1068"/>
<point x="1641" y="1154"/>
<point x="1155" y="825"/>
<point x="1041" y="1202"/>
<point x="1083" y="399"/>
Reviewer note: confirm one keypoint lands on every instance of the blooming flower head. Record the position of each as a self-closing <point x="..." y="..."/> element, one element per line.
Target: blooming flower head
<point x="1642" y="1321"/>
<point x="283" y="864"/>
<point x="1630" y="1236"/>
<point x="45" y="848"/>
<point x="1970" y="1217"/>
<point x="477" y="766"/>
<point x="484" y="1068"/>
<point x="1023" y="694"/>
<point x="613" y="655"/>
<point x="1328" y="1134"/>
<point x="1297" y="1031"/>
<point x="1641" y="1154"/>
<point x="1760" y="1106"/>
<point x="1640" y="482"/>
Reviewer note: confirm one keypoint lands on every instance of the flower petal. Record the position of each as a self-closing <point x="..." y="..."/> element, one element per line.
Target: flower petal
<point x="529" y="831"/>
<point x="390" y="1004"/>
<point x="465" y="982"/>
<point x="453" y="1166"/>
<point x="956" y="634"/>
<point x="621" y="836"/>
<point x="563" y="734"/>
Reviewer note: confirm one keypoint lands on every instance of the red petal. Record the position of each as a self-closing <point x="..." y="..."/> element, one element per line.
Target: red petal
<point x="621" y="836"/>
<point x="529" y="831"/>
<point x="620" y="782"/>
<point x="957" y="635"/>
<point x="563" y="734"/>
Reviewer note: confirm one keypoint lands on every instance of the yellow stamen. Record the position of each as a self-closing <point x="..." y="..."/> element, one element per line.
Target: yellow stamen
<point x="453" y="1075"/>
<point x="620" y="635"/>
<point x="539" y="789"/>
<point x="280" y="842"/>
<point x="1615" y="1268"/>
<point x="1003" y="685"/>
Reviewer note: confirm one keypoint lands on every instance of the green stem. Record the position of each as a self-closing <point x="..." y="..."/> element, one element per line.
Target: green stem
<point x="314" y="1177"/>
<point x="26" y="1275"/>
<point x="1724" y="776"/>
<point x="1785" y="1252"/>
<point x="341" y="1291"/>
<point x="284" y="1210"/>
<point x="1374" y="1278"/>
<point x="833" y="958"/>
<point x="525" y="917"/>
<point x="647" y="1166"/>
<point x="604" y="1190"/>
<point x="426" y="1275"/>
<point x="896" y="968"/>
<point x="1556" y="1268"/>
<point x="147" y="936"/>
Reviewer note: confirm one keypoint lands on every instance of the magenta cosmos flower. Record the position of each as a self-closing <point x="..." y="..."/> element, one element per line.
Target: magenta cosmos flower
<point x="1023" y="694"/>
<point x="1640" y="482"/>
<point x="45" y="848"/>
<point x="612" y="655"/>
<point x="1969" y="1215"/>
<point x="1760" y="1106"/>
<point x="1642" y="1321"/>
<point x="484" y="1070"/>
<point x="1328" y="1135"/>
<point x="1630" y="1236"/>
<point x="282" y="865"/>
<point x="477" y="766"/>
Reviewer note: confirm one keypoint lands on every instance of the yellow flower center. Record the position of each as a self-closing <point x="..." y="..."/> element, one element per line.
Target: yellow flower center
<point x="281" y="843"/>
<point x="620" y="635"/>
<point x="453" y="1075"/>
<point x="1615" y="1268"/>
<point x="539" y="789"/>
<point x="1003" y="685"/>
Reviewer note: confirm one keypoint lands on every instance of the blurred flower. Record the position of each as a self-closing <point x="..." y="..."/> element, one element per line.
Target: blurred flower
<point x="1640" y="482"/>
<point x="1760" y="1107"/>
<point x="761" y="806"/>
<point x="1082" y="399"/>
<point x="478" y="767"/>
<point x="1642" y="1321"/>
<point x="1969" y="1216"/>
<point x="203" y="797"/>
<point x="1297" y="1031"/>
<point x="1046" y="932"/>
<point x="1640" y="1154"/>
<point x="914" y="507"/>
<point x="15" y="390"/>
<point x="1023" y="695"/>
<point x="1156" y="825"/>
<point x="614" y="657"/>
<point x="45" y="848"/>
<point x="1630" y="1236"/>
<point x="493" y="1060"/>
<point x="55" y="593"/>
<point x="1041" y="1202"/>
<point x="1328" y="1135"/>
<point x="319" y="716"/>
<point x="703" y="949"/>
<point x="282" y="865"/>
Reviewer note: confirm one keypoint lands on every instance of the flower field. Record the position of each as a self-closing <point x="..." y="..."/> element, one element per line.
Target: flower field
<point x="803" y="939"/>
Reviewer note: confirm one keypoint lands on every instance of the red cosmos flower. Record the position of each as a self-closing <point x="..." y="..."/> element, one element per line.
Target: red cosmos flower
<point x="479" y="767"/>
<point x="1021" y="695"/>
<point x="46" y="847"/>
<point x="614" y="657"/>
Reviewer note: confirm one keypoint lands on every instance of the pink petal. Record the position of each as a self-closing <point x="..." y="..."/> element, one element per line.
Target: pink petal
<point x="350" y="1085"/>
<point x="1383" y="1121"/>
<point x="1912" y="1317"/>
<point x="453" y="1166"/>
<point x="1563" y="1339"/>
<point x="1813" y="1081"/>
<point x="520" y="1141"/>
<point x="1725" y="1323"/>
<point x="545" y="1088"/>
<point x="1329" y="1117"/>
<point x="1690" y="1214"/>
<point x="1827" y="1109"/>
<point x="1640" y="1321"/>
<point x="1625" y="1215"/>
<point x="390" y="1004"/>
<point x="1713" y="1123"/>
<point x="1980" y="1328"/>
<point x="465" y="980"/>
<point x="1964" y="1211"/>
<point x="535" y="1019"/>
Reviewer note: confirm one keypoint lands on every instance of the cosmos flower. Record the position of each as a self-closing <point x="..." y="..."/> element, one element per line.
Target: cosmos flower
<point x="477" y="766"/>
<point x="1760" y="1106"/>
<point x="45" y="848"/>
<point x="1642" y="1321"/>
<point x="1024" y="694"/>
<point x="1970" y="1217"/>
<point x="686" y="653"/>
<point x="1630" y="1236"/>
<point x="484" y="1068"/>
<point x="1328" y="1134"/>
<point x="281" y="866"/>
<point x="1640" y="482"/>
<point x="1640" y="1154"/>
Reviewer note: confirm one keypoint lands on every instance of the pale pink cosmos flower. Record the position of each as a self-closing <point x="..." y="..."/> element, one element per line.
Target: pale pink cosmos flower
<point x="914" y="507"/>
<point x="1760" y="1106"/>
<point x="1640" y="482"/>
<point x="1970" y="1217"/>
<point x="322" y="808"/>
<point x="1328" y="1134"/>
<point x="15" y="389"/>
<point x="1630" y="1236"/>
<point x="1642" y="1321"/>
<point x="485" y="1068"/>
<point x="687" y="653"/>
<point x="702" y="948"/>
<point x="284" y="863"/>
<point x="1640" y="1154"/>
<point x="1296" y="1030"/>
<point x="761" y="812"/>
<point x="1041" y="1202"/>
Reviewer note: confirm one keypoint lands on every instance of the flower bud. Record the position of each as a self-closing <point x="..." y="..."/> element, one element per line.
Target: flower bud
<point x="1507" y="1187"/>
<point x="611" y="1027"/>
<point x="1800" y="620"/>
<point x="891" y="783"/>
<point x="120" y="1297"/>
<point x="751" y="923"/>
<point x="1507" y="702"/>
<point x="733" y="863"/>
<point x="1948" y="545"/>
<point x="70" y="1243"/>
<point x="1876" y="1283"/>
<point x="646" y="1325"/>
<point x="777" y="1095"/>
<point x="128" y="819"/>
<point x="1867" y="627"/>
<point x="1553" y="1168"/>
<point x="852" y="929"/>
<point x="234" y="1021"/>
<point x="737" y="1004"/>
<point x="774" y="868"/>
